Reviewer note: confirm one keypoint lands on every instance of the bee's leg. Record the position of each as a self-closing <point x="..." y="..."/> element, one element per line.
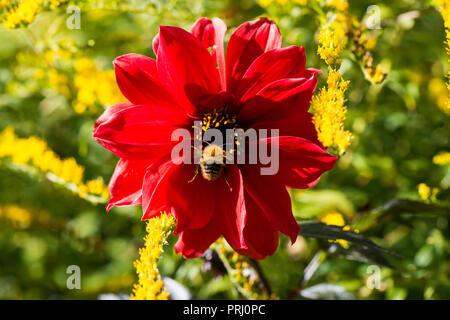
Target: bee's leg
<point x="195" y="176"/>
<point x="226" y="180"/>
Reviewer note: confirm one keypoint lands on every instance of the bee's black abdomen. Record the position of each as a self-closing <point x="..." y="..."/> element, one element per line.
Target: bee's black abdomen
<point x="211" y="171"/>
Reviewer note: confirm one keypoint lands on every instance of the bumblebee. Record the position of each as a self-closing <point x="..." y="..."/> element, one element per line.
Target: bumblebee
<point x="212" y="164"/>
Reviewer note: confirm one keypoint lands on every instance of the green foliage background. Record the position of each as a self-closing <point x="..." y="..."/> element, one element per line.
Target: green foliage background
<point x="397" y="126"/>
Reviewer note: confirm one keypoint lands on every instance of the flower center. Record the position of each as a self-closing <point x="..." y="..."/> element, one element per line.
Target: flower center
<point x="215" y="148"/>
<point x="218" y="120"/>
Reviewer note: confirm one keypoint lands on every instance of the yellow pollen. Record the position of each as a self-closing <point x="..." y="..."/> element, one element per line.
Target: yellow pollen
<point x="218" y="120"/>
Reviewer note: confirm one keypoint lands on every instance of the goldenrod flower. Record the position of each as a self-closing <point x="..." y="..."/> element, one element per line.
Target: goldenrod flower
<point x="376" y="74"/>
<point x="34" y="152"/>
<point x="340" y="5"/>
<point x="425" y="192"/>
<point x="266" y="3"/>
<point x="330" y="113"/>
<point x="150" y="285"/>
<point x="94" y="86"/>
<point x="18" y="216"/>
<point x="437" y="89"/>
<point x="21" y="217"/>
<point x="332" y="39"/>
<point x="442" y="159"/>
<point x="23" y="12"/>
<point x="444" y="8"/>
<point x="333" y="218"/>
<point x="58" y="81"/>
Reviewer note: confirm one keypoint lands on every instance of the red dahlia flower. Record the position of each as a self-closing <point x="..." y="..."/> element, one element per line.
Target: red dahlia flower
<point x="258" y="85"/>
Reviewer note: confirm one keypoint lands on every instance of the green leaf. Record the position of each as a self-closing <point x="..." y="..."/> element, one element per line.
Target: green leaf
<point x="325" y="291"/>
<point x="330" y="232"/>
<point x="400" y="206"/>
<point x="363" y="249"/>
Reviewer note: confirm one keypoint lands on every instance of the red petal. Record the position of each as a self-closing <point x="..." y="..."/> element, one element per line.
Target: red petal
<point x="137" y="132"/>
<point x="193" y="203"/>
<point x="138" y="80"/>
<point x="247" y="43"/>
<point x="125" y="186"/>
<point x="211" y="34"/>
<point x="231" y="212"/>
<point x="302" y="162"/>
<point x="193" y="243"/>
<point x="204" y="31"/>
<point x="260" y="236"/>
<point x="154" y="188"/>
<point x="292" y="92"/>
<point x="229" y="219"/>
<point x="279" y="100"/>
<point x="110" y="111"/>
<point x="271" y="196"/>
<point x="299" y="124"/>
<point x="186" y="67"/>
<point x="155" y="44"/>
<point x="271" y="66"/>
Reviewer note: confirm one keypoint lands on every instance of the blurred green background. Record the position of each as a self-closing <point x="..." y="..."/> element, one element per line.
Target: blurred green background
<point x="55" y="81"/>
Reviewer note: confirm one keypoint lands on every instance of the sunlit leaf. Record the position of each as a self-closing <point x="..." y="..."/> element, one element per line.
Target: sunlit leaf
<point x="363" y="249"/>
<point x="325" y="291"/>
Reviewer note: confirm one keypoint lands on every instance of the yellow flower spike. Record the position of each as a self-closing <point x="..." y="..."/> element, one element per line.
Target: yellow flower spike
<point x="442" y="159"/>
<point x="82" y="191"/>
<point x="328" y="104"/>
<point x="84" y="65"/>
<point x="444" y="8"/>
<point x="427" y="193"/>
<point x="330" y="113"/>
<point x="94" y="87"/>
<point x="95" y="186"/>
<point x="437" y="90"/>
<point x="24" y="12"/>
<point x="377" y="76"/>
<point x="17" y="216"/>
<point x="150" y="285"/>
<point x="332" y="40"/>
<point x="22" y="217"/>
<point x="424" y="191"/>
<point x="333" y="218"/>
<point x="340" y="5"/>
<point x="34" y="152"/>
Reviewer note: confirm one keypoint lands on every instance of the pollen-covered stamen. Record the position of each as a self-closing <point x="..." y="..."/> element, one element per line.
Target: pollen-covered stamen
<point x="222" y="121"/>
<point x="218" y="120"/>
